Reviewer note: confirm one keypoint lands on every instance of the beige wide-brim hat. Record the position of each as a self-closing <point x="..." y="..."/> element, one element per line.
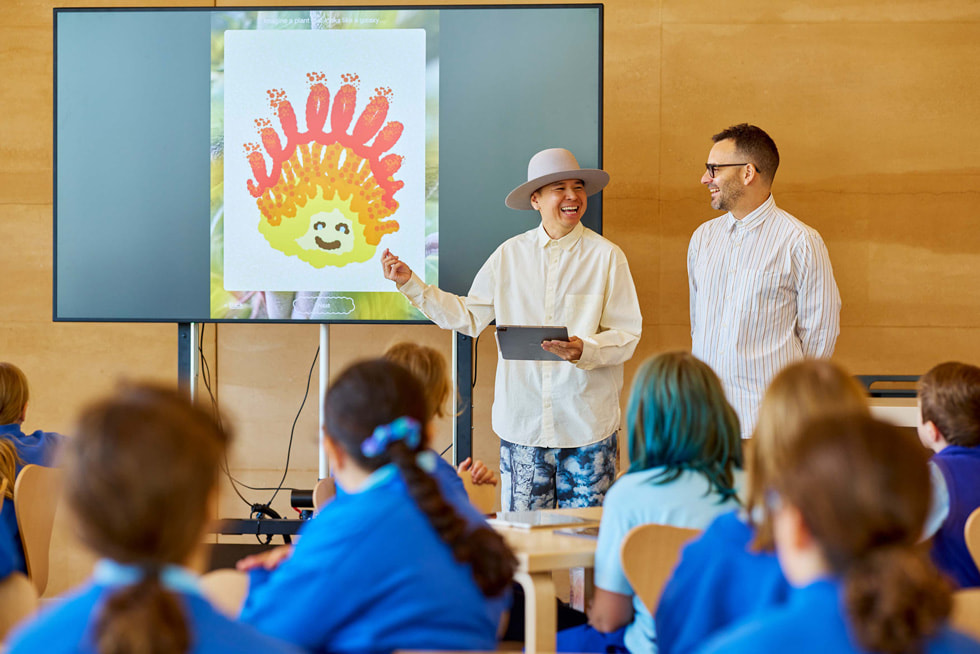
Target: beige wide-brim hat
<point x="554" y="165"/>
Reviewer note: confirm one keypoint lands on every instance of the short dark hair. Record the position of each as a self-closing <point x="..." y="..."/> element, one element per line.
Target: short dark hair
<point x="755" y="144"/>
<point x="949" y="395"/>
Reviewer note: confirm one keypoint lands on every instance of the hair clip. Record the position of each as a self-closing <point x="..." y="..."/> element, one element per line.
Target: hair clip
<point x="403" y="429"/>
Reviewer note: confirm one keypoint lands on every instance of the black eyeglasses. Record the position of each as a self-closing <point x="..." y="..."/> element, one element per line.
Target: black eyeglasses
<point x="713" y="168"/>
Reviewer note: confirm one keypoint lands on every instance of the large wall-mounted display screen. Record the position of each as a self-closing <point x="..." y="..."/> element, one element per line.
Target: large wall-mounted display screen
<point x="254" y="164"/>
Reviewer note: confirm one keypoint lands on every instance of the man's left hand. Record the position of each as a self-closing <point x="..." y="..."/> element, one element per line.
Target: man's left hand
<point x="570" y="350"/>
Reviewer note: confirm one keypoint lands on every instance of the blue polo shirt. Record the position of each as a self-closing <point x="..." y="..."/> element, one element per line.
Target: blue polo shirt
<point x="370" y="574"/>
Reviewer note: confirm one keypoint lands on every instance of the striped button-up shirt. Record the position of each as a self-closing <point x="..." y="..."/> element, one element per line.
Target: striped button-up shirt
<point x="581" y="281"/>
<point x="762" y="295"/>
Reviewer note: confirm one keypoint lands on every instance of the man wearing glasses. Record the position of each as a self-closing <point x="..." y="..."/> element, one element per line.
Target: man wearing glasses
<point x="762" y="288"/>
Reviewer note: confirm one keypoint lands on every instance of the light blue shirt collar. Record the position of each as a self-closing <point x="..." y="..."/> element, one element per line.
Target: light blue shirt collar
<point x="112" y="573"/>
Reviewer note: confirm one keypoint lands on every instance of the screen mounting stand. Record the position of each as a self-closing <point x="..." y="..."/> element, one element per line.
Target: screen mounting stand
<point x="463" y="383"/>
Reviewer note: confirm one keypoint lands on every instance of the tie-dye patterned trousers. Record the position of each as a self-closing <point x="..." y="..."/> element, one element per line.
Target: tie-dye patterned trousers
<point x="563" y="477"/>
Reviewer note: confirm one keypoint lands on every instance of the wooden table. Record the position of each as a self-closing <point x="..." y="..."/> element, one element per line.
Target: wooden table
<point x="539" y="553"/>
<point x="901" y="411"/>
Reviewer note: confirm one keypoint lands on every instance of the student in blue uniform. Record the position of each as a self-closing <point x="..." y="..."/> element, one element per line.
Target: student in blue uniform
<point x="848" y="506"/>
<point x="8" y="468"/>
<point x="731" y="571"/>
<point x="429" y="366"/>
<point x="949" y="425"/>
<point x="388" y="564"/>
<point x="685" y="449"/>
<point x="39" y="447"/>
<point x="141" y="481"/>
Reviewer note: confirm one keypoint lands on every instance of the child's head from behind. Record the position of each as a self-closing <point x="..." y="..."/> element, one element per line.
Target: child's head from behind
<point x="370" y="395"/>
<point x="799" y="393"/>
<point x="429" y="365"/>
<point x="860" y="489"/>
<point x="949" y="398"/>
<point x="141" y="472"/>
<point x="678" y="418"/>
<point x="14" y="393"/>
<point x="376" y="412"/>
<point x="140" y="478"/>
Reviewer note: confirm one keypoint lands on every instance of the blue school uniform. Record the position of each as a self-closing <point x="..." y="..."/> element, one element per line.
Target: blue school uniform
<point x="717" y="582"/>
<point x="8" y="557"/>
<point x="67" y="626"/>
<point x="370" y="574"/>
<point x="636" y="499"/>
<point x="812" y="620"/>
<point x="38" y="448"/>
<point x="960" y="467"/>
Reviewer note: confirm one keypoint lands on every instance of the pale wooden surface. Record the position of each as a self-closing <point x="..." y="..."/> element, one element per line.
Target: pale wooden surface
<point x="324" y="491"/>
<point x="37" y="492"/>
<point x="540" y="552"/>
<point x="971" y="533"/>
<point x="650" y="554"/>
<point x="226" y="590"/>
<point x="901" y="411"/>
<point x="18" y="600"/>
<point x="966" y="612"/>
<point x="482" y="496"/>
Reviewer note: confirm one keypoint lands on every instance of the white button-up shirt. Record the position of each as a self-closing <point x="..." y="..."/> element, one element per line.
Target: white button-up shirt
<point x="581" y="281"/>
<point x="762" y="295"/>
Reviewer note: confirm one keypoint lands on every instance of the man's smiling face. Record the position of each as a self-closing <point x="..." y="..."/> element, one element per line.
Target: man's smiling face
<point x="561" y="205"/>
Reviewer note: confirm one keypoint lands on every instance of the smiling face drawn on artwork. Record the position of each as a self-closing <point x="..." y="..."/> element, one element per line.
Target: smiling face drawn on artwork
<point x="328" y="197"/>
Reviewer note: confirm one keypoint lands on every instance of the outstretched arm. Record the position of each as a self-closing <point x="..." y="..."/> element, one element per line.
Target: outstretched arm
<point x="468" y="315"/>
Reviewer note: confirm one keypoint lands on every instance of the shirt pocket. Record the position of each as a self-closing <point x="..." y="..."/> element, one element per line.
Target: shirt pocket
<point x="769" y="296"/>
<point x="582" y="314"/>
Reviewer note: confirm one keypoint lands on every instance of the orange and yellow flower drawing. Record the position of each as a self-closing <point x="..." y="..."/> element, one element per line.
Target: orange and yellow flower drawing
<point x="326" y="196"/>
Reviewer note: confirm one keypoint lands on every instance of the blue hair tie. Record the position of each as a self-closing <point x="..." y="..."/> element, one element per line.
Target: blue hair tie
<point x="403" y="429"/>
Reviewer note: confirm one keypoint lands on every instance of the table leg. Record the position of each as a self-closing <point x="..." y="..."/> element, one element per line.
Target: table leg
<point x="540" y="619"/>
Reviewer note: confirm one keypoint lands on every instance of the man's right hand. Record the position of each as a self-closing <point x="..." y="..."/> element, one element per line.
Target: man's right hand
<point x="394" y="269"/>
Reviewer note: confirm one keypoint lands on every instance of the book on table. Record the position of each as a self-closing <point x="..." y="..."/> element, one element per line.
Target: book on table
<point x="539" y="520"/>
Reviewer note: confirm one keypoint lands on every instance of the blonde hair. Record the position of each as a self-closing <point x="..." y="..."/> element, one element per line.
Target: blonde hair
<point x="429" y="366"/>
<point x="802" y="391"/>
<point x="14" y="393"/>
<point x="8" y="466"/>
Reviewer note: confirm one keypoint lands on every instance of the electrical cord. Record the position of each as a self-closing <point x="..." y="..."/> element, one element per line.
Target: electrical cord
<point x="292" y="430"/>
<point x="256" y="509"/>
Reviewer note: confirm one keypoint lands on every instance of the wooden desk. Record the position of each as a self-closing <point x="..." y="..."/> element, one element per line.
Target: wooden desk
<point x="901" y="411"/>
<point x="539" y="553"/>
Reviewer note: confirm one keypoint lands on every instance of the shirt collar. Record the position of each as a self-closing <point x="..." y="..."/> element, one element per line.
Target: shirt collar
<point x="566" y="242"/>
<point x="754" y="219"/>
<point x="112" y="573"/>
<point x="377" y="478"/>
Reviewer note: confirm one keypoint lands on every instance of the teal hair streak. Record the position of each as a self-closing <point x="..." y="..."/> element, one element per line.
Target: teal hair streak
<point x="678" y="418"/>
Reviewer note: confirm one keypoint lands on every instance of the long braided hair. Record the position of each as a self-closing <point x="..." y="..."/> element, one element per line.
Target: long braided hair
<point x="376" y="411"/>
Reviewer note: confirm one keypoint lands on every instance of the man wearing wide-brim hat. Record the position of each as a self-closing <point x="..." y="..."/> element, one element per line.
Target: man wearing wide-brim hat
<point x="557" y="420"/>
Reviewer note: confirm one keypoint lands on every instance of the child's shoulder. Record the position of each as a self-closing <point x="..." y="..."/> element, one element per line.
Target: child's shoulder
<point x="59" y="626"/>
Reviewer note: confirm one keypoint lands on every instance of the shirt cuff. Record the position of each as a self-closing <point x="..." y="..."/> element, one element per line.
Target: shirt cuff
<point x="589" y="356"/>
<point x="413" y="289"/>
